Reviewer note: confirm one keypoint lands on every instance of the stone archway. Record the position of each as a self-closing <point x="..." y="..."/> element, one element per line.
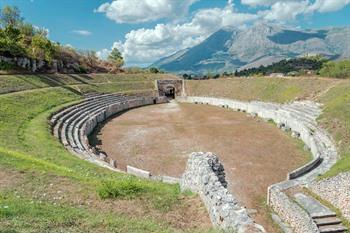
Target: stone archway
<point x="170" y="88"/>
<point x="169" y="91"/>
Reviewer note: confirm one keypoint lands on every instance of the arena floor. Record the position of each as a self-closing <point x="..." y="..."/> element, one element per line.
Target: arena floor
<point x="159" y="138"/>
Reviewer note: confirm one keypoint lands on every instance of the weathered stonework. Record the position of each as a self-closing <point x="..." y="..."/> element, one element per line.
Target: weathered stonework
<point x="163" y="87"/>
<point x="205" y="175"/>
<point x="299" y="118"/>
<point x="335" y="190"/>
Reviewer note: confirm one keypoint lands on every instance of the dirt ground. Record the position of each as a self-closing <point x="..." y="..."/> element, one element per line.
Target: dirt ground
<point x="159" y="138"/>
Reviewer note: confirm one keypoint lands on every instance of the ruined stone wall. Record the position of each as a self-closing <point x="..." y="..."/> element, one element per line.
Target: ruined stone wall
<point x="34" y="65"/>
<point x="300" y="119"/>
<point x="205" y="175"/>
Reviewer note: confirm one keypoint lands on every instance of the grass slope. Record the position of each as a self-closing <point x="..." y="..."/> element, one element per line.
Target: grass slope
<point x="28" y="149"/>
<point x="88" y="83"/>
<point x="332" y="93"/>
<point x="265" y="89"/>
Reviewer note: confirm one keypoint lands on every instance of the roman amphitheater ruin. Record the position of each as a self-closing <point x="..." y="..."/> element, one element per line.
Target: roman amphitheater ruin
<point x="247" y="162"/>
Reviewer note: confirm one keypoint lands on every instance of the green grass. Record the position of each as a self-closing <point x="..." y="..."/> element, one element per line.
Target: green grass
<point x="28" y="215"/>
<point x="279" y="90"/>
<point x="27" y="146"/>
<point x="14" y="83"/>
<point x="336" y="119"/>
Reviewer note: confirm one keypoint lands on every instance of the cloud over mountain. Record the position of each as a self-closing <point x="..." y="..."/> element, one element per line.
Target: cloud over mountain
<point x="145" y="45"/>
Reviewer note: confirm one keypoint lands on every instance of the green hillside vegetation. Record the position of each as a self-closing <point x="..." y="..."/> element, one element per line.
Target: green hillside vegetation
<point x="295" y="66"/>
<point x="334" y="94"/>
<point x="340" y="69"/>
<point x="22" y="39"/>
<point x="45" y="188"/>
<point x="40" y="182"/>
<point x="301" y="66"/>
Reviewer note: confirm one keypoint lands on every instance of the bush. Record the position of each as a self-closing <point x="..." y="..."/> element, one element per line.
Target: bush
<point x="129" y="187"/>
<point x="153" y="70"/>
<point x="6" y="66"/>
<point x="83" y="70"/>
<point x="340" y="69"/>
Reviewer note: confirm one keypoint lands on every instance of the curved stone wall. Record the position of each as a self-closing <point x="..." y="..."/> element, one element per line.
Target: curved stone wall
<point x="205" y="175"/>
<point x="73" y="124"/>
<point x="300" y="119"/>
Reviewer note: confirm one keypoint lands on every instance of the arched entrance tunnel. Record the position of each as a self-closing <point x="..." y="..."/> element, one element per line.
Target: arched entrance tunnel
<point x="170" y="88"/>
<point x="159" y="138"/>
<point x="170" y="92"/>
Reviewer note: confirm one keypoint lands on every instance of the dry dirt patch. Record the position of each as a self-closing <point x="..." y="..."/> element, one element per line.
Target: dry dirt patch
<point x="159" y="138"/>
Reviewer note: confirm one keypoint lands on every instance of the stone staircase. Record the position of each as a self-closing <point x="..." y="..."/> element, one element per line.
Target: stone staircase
<point x="325" y="219"/>
<point x="73" y="124"/>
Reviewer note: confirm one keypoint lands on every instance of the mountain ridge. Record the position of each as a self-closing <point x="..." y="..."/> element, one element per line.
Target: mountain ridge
<point x="230" y="49"/>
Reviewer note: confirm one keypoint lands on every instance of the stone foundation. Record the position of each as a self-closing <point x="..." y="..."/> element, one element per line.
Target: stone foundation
<point x="205" y="175"/>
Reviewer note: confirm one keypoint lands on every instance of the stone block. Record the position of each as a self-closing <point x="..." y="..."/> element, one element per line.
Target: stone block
<point x="138" y="172"/>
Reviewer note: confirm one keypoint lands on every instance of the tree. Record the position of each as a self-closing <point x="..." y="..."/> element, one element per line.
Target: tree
<point x="116" y="58"/>
<point x="42" y="48"/>
<point x="153" y="70"/>
<point x="10" y="16"/>
<point x="10" y="45"/>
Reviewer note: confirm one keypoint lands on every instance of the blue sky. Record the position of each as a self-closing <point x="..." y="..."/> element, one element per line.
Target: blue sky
<point x="146" y="30"/>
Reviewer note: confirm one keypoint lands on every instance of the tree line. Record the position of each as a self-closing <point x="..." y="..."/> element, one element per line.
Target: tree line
<point x="22" y="39"/>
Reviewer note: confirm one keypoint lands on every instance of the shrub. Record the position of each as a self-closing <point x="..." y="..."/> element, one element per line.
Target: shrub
<point x="153" y="70"/>
<point x="6" y="66"/>
<point x="83" y="70"/>
<point x="340" y="69"/>
<point x="128" y="187"/>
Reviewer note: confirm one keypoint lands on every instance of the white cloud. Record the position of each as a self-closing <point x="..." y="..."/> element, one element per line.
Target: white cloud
<point x="286" y="10"/>
<point x="82" y="32"/>
<point x="147" y="45"/>
<point x="136" y="11"/>
<point x="103" y="54"/>
<point x="329" y="5"/>
<point x="259" y="2"/>
<point x="290" y="9"/>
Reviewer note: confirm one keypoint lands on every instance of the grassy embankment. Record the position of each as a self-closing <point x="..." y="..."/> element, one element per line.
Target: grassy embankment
<point x="43" y="188"/>
<point x="334" y="94"/>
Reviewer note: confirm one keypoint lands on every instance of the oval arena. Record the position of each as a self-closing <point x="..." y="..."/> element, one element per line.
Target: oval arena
<point x="152" y="136"/>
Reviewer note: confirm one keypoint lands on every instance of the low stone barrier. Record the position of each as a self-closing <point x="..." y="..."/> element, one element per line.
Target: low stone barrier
<point x="74" y="123"/>
<point x="138" y="172"/>
<point x="300" y="119"/>
<point x="205" y="175"/>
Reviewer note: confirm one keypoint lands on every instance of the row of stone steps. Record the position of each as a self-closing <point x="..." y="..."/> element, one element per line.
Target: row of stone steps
<point x="325" y="219"/>
<point x="72" y="124"/>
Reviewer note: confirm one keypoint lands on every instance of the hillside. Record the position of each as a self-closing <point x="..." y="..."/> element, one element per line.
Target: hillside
<point x="262" y="44"/>
<point x="43" y="187"/>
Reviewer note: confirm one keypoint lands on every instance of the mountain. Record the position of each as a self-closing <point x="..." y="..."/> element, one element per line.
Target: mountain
<point x="262" y="44"/>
